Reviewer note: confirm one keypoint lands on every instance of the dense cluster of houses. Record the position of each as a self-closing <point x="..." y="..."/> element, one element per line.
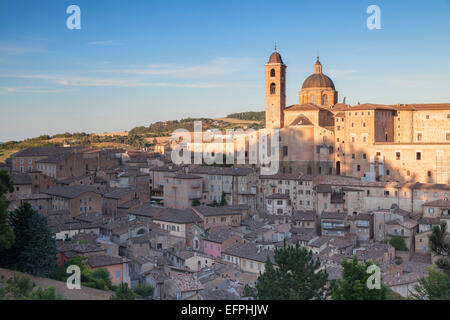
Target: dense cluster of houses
<point x="204" y="232"/>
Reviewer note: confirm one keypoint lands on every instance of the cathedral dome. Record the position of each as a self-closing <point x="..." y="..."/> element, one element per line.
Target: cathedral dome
<point x="275" y="58"/>
<point x="318" y="79"/>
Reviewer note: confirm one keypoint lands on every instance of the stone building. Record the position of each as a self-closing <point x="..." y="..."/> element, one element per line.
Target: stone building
<point x="401" y="142"/>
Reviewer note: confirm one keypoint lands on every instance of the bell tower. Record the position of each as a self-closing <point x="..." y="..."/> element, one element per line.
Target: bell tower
<point x="275" y="91"/>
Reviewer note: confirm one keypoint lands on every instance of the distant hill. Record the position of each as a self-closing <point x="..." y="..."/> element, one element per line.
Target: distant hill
<point x="139" y="137"/>
<point x="250" y="115"/>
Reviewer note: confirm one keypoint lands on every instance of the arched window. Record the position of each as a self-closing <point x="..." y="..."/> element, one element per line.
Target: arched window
<point x="273" y="88"/>
<point x="324" y="99"/>
<point x="272" y="73"/>
<point x="312" y="98"/>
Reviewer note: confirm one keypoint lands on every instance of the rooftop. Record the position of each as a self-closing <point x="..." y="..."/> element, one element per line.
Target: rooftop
<point x="249" y="251"/>
<point x="177" y="216"/>
<point x="69" y="192"/>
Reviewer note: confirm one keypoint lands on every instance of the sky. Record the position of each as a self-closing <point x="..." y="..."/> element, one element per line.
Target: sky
<point x="136" y="62"/>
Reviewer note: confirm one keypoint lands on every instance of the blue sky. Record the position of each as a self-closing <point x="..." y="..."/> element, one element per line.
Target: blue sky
<point x="135" y="62"/>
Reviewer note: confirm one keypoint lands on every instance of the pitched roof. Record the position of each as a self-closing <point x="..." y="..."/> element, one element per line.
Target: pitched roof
<point x="208" y="211"/>
<point x="301" y="120"/>
<point x="178" y="216"/>
<point x="373" y="252"/>
<point x="55" y="158"/>
<point x="304" y="107"/>
<point x="304" y="216"/>
<point x="249" y="251"/>
<point x="219" y="235"/>
<point x="42" y="151"/>
<point x="433" y="221"/>
<point x="79" y="248"/>
<point x="69" y="192"/>
<point x="20" y="178"/>
<point x="441" y="203"/>
<point x="118" y="193"/>
<point x="323" y="188"/>
<point x="405" y="278"/>
<point x="187" y="282"/>
<point x="319" y="241"/>
<point x="103" y="260"/>
<point x="146" y="210"/>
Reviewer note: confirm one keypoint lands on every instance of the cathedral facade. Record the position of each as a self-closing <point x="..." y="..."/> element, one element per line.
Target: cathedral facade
<point x="320" y="136"/>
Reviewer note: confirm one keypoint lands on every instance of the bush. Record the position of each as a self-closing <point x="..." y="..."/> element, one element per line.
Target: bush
<point x="144" y="290"/>
<point x="398" y="243"/>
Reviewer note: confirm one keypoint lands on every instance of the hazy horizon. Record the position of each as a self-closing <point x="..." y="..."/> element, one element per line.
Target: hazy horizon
<point x="137" y="63"/>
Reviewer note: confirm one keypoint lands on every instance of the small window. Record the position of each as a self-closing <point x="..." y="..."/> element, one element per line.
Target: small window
<point x="397" y="156"/>
<point x="418" y="155"/>
<point x="273" y="88"/>
<point x="272" y="73"/>
<point x="419" y="136"/>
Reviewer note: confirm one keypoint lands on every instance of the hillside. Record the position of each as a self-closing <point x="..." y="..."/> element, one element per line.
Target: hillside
<point x="139" y="137"/>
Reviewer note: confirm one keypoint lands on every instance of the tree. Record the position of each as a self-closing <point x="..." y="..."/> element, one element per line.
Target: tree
<point x="6" y="233"/>
<point x="39" y="254"/>
<point x="296" y="276"/>
<point x="21" y="288"/>
<point x="353" y="285"/>
<point x="98" y="279"/>
<point x="398" y="243"/>
<point x="144" y="290"/>
<point x="123" y="292"/>
<point x="436" y="286"/>
<point x="196" y="203"/>
<point x="19" y="222"/>
<point x="440" y="245"/>
<point x="34" y="250"/>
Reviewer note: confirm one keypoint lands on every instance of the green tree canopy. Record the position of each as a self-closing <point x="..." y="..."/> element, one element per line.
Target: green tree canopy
<point x="144" y="290"/>
<point x="296" y="276"/>
<point x="398" y="243"/>
<point x="436" y="286"/>
<point x="123" y="292"/>
<point x="6" y="233"/>
<point x="353" y="285"/>
<point x="34" y="249"/>
<point x="98" y="279"/>
<point x="21" y="288"/>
